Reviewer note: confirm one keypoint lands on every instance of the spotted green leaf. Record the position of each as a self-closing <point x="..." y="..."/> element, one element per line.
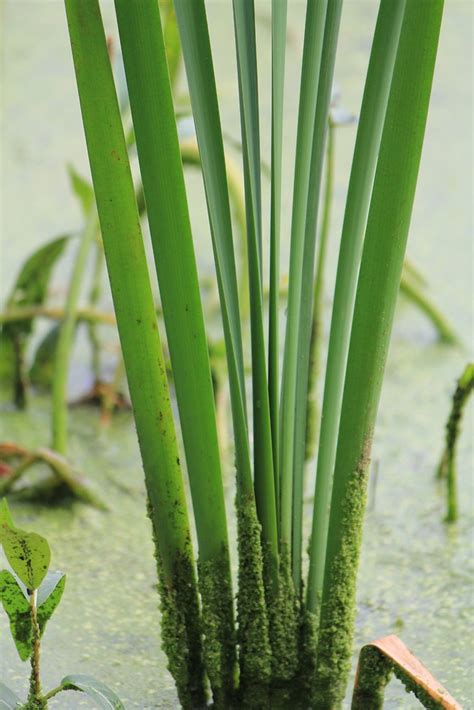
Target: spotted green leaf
<point x="15" y="600"/>
<point x="17" y="609"/>
<point x="28" y="554"/>
<point x="95" y="689"/>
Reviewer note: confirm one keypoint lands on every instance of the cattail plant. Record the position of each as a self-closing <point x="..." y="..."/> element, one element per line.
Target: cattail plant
<point x="290" y="641"/>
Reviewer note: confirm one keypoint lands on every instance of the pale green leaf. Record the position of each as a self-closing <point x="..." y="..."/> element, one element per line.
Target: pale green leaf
<point x="8" y="699"/>
<point x="95" y="689"/>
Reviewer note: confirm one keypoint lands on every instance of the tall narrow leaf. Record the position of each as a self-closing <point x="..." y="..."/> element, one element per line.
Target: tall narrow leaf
<point x="279" y="12"/>
<point x="328" y="59"/>
<point x="374" y="104"/>
<point x="163" y="183"/>
<point x="194" y="32"/>
<point x="313" y="42"/>
<point x="141" y="347"/>
<point x="377" y="289"/>
<point x="244" y="23"/>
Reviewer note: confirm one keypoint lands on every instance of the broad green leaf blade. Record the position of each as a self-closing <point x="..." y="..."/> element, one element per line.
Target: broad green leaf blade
<point x="194" y="32"/>
<point x="28" y="554"/>
<point x="264" y="479"/>
<point x="5" y="514"/>
<point x="328" y="60"/>
<point x="372" y="115"/>
<point x="95" y="689"/>
<point x="279" y="13"/>
<point x="18" y="611"/>
<point x="82" y="189"/>
<point x="312" y="49"/>
<point x="8" y="699"/>
<point x="377" y="290"/>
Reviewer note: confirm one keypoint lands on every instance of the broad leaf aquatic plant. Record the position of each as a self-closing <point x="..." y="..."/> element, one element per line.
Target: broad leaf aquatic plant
<point x="292" y="643"/>
<point x="30" y="594"/>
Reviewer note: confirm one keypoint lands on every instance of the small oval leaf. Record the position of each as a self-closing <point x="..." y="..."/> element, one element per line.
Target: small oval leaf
<point x="28" y="554"/>
<point x="95" y="689"/>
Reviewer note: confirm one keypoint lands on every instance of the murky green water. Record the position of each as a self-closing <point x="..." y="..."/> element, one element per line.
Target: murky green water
<point x="416" y="575"/>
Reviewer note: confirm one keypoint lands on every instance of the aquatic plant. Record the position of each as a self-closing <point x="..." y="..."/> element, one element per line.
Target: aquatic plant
<point x="292" y="641"/>
<point x="447" y="465"/>
<point x="30" y="594"/>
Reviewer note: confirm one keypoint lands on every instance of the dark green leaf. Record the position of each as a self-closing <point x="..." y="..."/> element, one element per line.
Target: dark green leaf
<point x="82" y="189"/>
<point x="95" y="689"/>
<point x="41" y="370"/>
<point x="27" y="553"/>
<point x="8" y="699"/>
<point x="32" y="282"/>
<point x="18" y="611"/>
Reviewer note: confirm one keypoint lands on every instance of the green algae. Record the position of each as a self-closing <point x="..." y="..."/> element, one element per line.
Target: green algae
<point x="283" y="618"/>
<point x="375" y="671"/>
<point x="181" y="628"/>
<point x="253" y="625"/>
<point x="338" y="609"/>
<point x="219" y="645"/>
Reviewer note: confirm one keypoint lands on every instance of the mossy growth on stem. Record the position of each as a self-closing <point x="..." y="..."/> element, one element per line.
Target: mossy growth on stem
<point x="181" y="628"/>
<point x="447" y="466"/>
<point x="336" y="631"/>
<point x="283" y="618"/>
<point x="253" y="624"/>
<point x="219" y="644"/>
<point x="375" y="671"/>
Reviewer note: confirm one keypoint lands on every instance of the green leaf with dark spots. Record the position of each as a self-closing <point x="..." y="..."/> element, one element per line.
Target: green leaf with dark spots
<point x="28" y="554"/>
<point x="18" y="611"/>
<point x="95" y="689"/>
<point x="8" y="699"/>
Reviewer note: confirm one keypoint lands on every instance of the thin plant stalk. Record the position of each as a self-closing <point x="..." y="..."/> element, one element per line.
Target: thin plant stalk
<point x="411" y="289"/>
<point x="447" y="466"/>
<point x="279" y="13"/>
<point x="65" y="342"/>
<point x="379" y="279"/>
<point x="94" y="297"/>
<point x="141" y="347"/>
<point x="369" y="132"/>
<point x="253" y="631"/>
<point x="328" y="60"/>
<point x="244" y="25"/>
<point x="318" y="295"/>
<point x="310" y="72"/>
